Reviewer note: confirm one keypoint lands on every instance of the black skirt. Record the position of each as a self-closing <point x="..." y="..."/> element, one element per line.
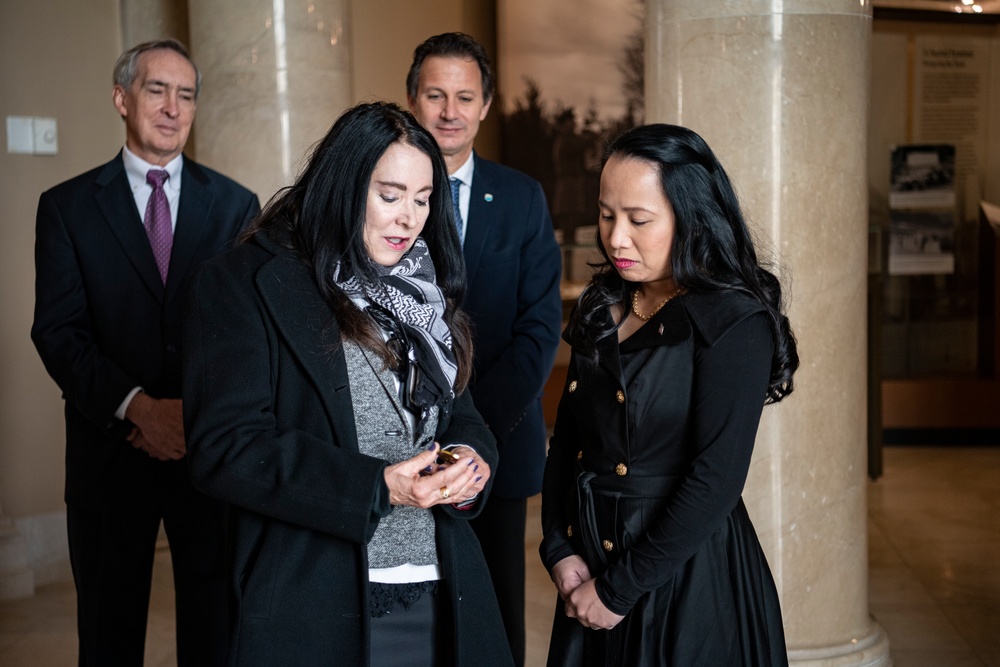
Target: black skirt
<point x="720" y="609"/>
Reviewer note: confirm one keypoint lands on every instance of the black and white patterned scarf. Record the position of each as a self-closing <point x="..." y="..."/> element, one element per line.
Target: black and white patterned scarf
<point x="406" y="302"/>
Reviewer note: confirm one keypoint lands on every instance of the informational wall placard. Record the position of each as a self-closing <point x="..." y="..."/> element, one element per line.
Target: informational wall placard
<point x="921" y="243"/>
<point x="922" y="210"/>
<point x="923" y="177"/>
<point x="951" y="96"/>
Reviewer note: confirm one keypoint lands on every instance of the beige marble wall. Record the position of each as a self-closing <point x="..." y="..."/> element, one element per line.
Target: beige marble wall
<point x="276" y="75"/>
<point x="145" y="20"/>
<point x="55" y="61"/>
<point x="780" y="91"/>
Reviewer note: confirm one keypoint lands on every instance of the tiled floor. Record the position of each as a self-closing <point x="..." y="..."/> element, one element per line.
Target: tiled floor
<point x="934" y="526"/>
<point x="934" y="555"/>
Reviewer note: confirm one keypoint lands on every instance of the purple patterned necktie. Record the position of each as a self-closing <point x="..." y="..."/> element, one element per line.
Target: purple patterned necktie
<point x="157" y="222"/>
<point x="456" y="206"/>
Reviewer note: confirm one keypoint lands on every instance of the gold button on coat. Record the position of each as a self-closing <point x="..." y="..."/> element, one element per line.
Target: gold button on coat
<point x="608" y="546"/>
<point x="569" y="531"/>
<point x="621" y="469"/>
<point x="572" y="386"/>
<point x="620" y="396"/>
<point x="579" y="455"/>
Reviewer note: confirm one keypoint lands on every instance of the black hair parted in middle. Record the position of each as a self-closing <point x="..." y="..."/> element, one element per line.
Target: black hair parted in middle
<point x="712" y="248"/>
<point x="321" y="218"/>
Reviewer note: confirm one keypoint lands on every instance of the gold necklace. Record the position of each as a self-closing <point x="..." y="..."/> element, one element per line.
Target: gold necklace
<point x="645" y="318"/>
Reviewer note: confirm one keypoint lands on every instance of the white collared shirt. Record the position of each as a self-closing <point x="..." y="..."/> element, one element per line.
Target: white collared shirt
<point x="135" y="170"/>
<point x="464" y="176"/>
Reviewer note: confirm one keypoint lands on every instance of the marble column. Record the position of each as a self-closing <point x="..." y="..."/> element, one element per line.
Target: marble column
<point x="276" y="74"/>
<point x="146" y="20"/>
<point x="780" y="92"/>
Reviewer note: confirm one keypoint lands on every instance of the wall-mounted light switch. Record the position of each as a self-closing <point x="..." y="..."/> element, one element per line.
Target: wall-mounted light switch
<point x="20" y="134"/>
<point x="46" y="139"/>
<point x="31" y="135"/>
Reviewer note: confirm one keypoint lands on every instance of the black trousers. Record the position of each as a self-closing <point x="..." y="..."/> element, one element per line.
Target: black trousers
<point x="111" y="553"/>
<point x="500" y="529"/>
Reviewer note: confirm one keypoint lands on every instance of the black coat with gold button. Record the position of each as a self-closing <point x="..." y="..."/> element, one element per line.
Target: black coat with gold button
<point x="644" y="478"/>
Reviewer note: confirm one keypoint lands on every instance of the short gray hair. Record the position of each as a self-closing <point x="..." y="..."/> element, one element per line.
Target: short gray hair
<point x="127" y="66"/>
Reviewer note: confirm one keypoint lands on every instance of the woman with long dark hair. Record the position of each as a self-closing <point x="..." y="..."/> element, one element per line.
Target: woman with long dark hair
<point x="325" y="400"/>
<point x="678" y="342"/>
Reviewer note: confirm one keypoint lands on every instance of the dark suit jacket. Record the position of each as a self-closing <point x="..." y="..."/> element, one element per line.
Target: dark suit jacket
<point x="514" y="266"/>
<point x="105" y="323"/>
<point x="271" y="431"/>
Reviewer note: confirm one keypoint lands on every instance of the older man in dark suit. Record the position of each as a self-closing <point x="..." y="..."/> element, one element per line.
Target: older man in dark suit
<point x="115" y="250"/>
<point x="514" y="266"/>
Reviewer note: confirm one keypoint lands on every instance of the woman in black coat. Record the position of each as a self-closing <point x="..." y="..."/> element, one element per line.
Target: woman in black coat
<point x="678" y="342"/>
<point x="325" y="368"/>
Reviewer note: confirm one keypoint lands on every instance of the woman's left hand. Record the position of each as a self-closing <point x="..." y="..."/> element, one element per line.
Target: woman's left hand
<point x="478" y="464"/>
<point x="584" y="605"/>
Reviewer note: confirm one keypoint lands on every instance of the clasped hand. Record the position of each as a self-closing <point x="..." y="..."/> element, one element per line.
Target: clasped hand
<point x="421" y="482"/>
<point x="159" y="426"/>
<point x="579" y="593"/>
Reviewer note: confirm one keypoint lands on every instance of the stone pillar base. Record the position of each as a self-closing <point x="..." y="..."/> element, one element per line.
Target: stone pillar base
<point x="871" y="650"/>
<point x="16" y="578"/>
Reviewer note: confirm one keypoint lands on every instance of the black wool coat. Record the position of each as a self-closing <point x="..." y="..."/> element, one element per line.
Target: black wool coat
<point x="270" y="428"/>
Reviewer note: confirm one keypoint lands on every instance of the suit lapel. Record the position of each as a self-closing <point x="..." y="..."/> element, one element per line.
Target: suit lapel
<point x="114" y="200"/>
<point x="304" y="320"/>
<point x="192" y="220"/>
<point x="484" y="212"/>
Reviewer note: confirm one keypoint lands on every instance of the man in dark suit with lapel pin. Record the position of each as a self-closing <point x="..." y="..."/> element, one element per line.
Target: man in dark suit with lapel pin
<point x="115" y="251"/>
<point x="514" y="266"/>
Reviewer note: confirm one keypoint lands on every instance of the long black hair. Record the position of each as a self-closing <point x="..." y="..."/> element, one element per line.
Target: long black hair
<point x="321" y="218"/>
<point x="712" y="246"/>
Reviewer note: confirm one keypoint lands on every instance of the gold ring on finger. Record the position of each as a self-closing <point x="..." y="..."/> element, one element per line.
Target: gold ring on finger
<point x="445" y="493"/>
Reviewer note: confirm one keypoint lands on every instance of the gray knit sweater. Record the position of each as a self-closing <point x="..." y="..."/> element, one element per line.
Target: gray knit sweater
<point x="406" y="535"/>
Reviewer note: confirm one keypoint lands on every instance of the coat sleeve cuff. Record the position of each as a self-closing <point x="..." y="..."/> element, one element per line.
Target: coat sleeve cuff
<point x="618" y="589"/>
<point x="617" y="604"/>
<point x="553" y="549"/>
